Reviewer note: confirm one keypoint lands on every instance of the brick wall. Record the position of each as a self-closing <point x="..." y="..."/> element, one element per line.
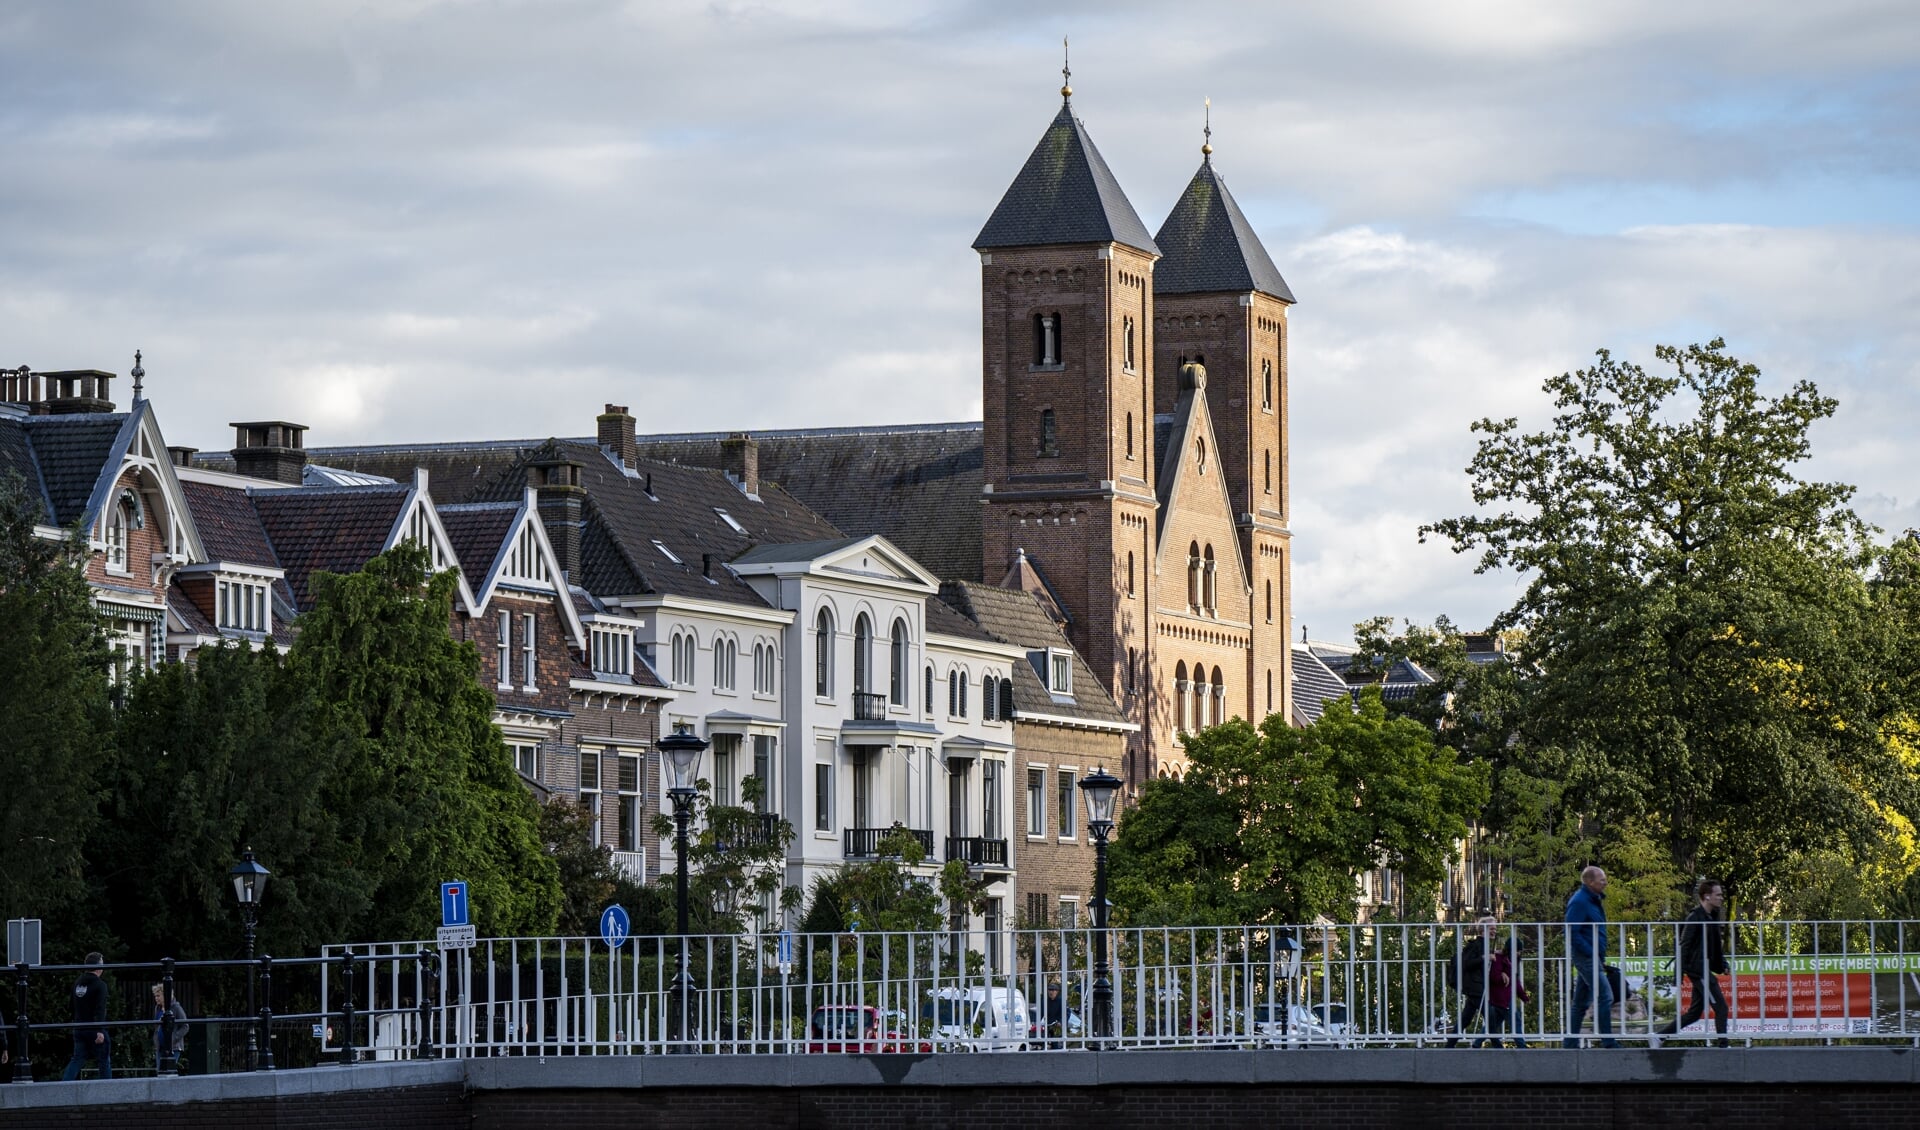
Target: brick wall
<point x="1046" y="866"/>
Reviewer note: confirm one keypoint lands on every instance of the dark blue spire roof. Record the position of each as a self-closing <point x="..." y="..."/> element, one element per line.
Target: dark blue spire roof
<point x="1064" y="194"/>
<point x="1208" y="246"/>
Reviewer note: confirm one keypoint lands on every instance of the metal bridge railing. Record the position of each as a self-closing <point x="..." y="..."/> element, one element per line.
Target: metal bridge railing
<point x="1347" y="986"/>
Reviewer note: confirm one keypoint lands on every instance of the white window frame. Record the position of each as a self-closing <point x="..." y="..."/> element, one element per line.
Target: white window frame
<point x="1037" y="803"/>
<point x="503" y="649"/>
<point x="529" y="656"/>
<point x="1067" y="819"/>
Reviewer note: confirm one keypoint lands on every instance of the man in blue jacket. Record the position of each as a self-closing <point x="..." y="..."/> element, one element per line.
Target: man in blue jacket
<point x="1587" y="946"/>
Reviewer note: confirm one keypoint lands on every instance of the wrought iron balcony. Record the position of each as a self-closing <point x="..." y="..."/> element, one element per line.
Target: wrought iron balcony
<point x="758" y="829"/>
<point x="868" y="707"/>
<point x="864" y="843"/>
<point x="977" y="851"/>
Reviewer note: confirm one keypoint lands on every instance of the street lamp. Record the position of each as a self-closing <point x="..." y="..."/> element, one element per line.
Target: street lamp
<point x="680" y="753"/>
<point x="1101" y="788"/>
<point x="249" y="887"/>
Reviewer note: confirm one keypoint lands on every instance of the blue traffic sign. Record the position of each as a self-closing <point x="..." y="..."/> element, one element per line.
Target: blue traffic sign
<point x="614" y="926"/>
<point x="786" y="947"/>
<point x="453" y="904"/>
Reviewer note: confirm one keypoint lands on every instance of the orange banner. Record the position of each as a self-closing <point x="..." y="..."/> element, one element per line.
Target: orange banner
<point x="1794" y="1002"/>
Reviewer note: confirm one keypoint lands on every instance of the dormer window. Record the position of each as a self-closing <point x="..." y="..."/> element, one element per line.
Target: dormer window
<point x="1060" y="672"/>
<point x="241" y="606"/>
<point x="611" y="651"/>
<point x="124" y="519"/>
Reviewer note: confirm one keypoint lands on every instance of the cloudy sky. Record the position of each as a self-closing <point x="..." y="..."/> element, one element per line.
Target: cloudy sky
<point x="418" y="220"/>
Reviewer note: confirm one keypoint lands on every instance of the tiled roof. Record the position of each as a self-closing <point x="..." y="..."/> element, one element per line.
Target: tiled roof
<point x="1314" y="683"/>
<point x="1064" y="194"/>
<point x="626" y="511"/>
<point x="942" y="619"/>
<point x="919" y="485"/>
<point x="1017" y="618"/>
<point x="1207" y="245"/>
<point x="189" y="614"/>
<point x="478" y="532"/>
<point x="335" y="529"/>
<point x="796" y="551"/>
<point x="229" y="525"/>
<point x="72" y="452"/>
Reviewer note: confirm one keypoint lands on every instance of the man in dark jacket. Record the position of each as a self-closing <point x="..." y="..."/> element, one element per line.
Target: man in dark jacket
<point x="1587" y="946"/>
<point x="1702" y="958"/>
<point x="1470" y="977"/>
<point x="89" y="1011"/>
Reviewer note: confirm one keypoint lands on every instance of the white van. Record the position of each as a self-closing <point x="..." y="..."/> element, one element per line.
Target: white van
<point x="979" y="1018"/>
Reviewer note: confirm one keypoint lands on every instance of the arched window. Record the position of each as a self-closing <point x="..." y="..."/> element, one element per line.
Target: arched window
<point x="953" y="694"/>
<point x="1129" y="435"/>
<point x="1219" y="697"/>
<point x="1049" y="434"/>
<point x="1046" y="339"/>
<point x="1267" y="458"/>
<point x="726" y="657"/>
<point x="823" y="655"/>
<point x="1269" y="602"/>
<point x="1127" y="355"/>
<point x="1183" y="719"/>
<point x="123" y="519"/>
<point x="897" y="683"/>
<point x="1269" y="691"/>
<point x="926" y="701"/>
<point x="1133" y="664"/>
<point x="862" y="654"/>
<point x="989" y="699"/>
<point x="1266" y="383"/>
<point x="1129" y="572"/>
<point x="1200" y="453"/>
<point x="1193" y="576"/>
<point x="963" y="694"/>
<point x="1209" y="592"/>
<point x="682" y="649"/>
<point x="1006" y="700"/>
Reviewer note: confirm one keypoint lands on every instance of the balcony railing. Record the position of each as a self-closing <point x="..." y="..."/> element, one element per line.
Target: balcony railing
<point x="864" y="843"/>
<point x="633" y="863"/>
<point x="868" y="707"/>
<point x="977" y="851"/>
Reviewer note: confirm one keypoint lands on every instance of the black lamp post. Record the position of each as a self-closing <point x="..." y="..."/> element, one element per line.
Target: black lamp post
<point x="680" y="756"/>
<point x="1101" y="788"/>
<point x="249" y="886"/>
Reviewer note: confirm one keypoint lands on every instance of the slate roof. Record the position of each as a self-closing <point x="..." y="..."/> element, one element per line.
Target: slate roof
<point x="1064" y="194"/>
<point x="626" y="510"/>
<point x="794" y="551"/>
<point x="335" y="529"/>
<point x="1017" y="618"/>
<point x="943" y="619"/>
<point x="1314" y="683"/>
<point x="61" y="457"/>
<point x="919" y="485"/>
<point x="1207" y="245"/>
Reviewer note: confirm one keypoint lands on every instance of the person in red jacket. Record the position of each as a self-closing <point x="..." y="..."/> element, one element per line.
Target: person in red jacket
<point x="1503" y="985"/>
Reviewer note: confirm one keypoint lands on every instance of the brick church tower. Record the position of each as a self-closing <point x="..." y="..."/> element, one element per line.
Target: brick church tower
<point x="1080" y="384"/>
<point x="1067" y="302"/>
<point x="1220" y="301"/>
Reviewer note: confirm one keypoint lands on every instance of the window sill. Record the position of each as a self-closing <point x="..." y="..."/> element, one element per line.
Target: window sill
<point x="1066" y="840"/>
<point x="1056" y="367"/>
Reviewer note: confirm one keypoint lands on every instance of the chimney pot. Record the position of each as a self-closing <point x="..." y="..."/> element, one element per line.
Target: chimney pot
<point x="270" y="449"/>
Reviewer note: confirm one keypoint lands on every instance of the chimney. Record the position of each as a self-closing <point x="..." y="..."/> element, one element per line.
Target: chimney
<point x="740" y="459"/>
<point x="562" y="503"/>
<point x="270" y="449"/>
<point x="706" y="565"/>
<point x="57" y="394"/>
<point x="616" y="434"/>
<point x="181" y="456"/>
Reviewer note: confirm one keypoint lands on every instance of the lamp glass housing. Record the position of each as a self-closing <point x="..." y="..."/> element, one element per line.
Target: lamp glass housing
<point x="682" y="755"/>
<point x="249" y="880"/>
<point x="1101" y="788"/>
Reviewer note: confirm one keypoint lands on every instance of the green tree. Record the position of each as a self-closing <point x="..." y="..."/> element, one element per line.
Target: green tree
<point x="423" y="786"/>
<point x="211" y="762"/>
<point x="1273" y="825"/>
<point x="1697" y="654"/>
<point x="735" y="859"/>
<point x="880" y="895"/>
<point x="56" y="742"/>
<point x="590" y="881"/>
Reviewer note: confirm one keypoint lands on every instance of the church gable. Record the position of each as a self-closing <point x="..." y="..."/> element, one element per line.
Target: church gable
<point x="1196" y="513"/>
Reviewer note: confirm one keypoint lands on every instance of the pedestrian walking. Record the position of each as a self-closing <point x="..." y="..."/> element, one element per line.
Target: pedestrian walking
<point x="1702" y="958"/>
<point x="1503" y="987"/>
<point x="163" y="1039"/>
<point x="1470" y="977"/>
<point x="90" y="1041"/>
<point x="1587" y="946"/>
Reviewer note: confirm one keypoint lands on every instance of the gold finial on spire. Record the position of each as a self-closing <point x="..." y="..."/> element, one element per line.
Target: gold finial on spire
<point x="1066" y="70"/>
<point x="1206" y="143"/>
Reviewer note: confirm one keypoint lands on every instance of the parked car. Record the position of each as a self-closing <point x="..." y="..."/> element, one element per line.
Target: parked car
<point x="1320" y="1025"/>
<point x="859" y="1028"/>
<point x="980" y="1018"/>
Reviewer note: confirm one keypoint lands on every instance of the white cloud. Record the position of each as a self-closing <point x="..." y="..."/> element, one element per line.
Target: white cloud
<point x="440" y="220"/>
